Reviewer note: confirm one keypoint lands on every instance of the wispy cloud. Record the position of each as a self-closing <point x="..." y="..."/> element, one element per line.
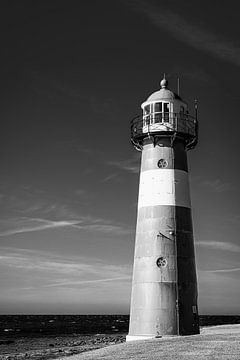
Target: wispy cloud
<point x="26" y="200"/>
<point x="110" y="177"/>
<point x="219" y="245"/>
<point x="95" y="281"/>
<point x="31" y="210"/>
<point x="233" y="270"/>
<point x="131" y="165"/>
<point x="24" y="225"/>
<point x="190" y="34"/>
<point x="107" y="228"/>
<point x="59" y="264"/>
<point x="58" y="271"/>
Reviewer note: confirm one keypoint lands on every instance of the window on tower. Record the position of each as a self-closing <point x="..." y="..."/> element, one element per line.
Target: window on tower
<point x="146" y="115"/>
<point x="158" y="112"/>
<point x="158" y="107"/>
<point x="154" y="113"/>
<point x="166" y="112"/>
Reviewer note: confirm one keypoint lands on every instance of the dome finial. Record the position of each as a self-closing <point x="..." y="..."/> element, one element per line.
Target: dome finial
<point x="164" y="82"/>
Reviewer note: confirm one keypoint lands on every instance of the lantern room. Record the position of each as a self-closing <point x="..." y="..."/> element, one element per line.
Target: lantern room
<point x="161" y="106"/>
<point x="164" y="113"/>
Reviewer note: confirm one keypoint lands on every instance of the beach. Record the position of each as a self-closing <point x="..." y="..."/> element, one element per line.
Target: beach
<point x="215" y="343"/>
<point x="51" y="347"/>
<point x="44" y="337"/>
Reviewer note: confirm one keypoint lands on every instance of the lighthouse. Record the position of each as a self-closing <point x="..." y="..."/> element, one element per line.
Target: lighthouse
<point x="164" y="285"/>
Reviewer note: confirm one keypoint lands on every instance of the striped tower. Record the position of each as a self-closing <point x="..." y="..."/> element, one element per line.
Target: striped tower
<point x="164" y="287"/>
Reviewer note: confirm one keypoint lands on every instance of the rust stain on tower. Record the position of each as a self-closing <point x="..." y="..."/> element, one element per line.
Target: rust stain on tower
<point x="164" y="287"/>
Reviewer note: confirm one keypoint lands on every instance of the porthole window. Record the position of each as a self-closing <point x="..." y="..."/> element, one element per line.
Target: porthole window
<point x="161" y="262"/>
<point x="162" y="163"/>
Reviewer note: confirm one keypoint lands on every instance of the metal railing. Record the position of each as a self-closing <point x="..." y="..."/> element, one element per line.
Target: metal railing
<point x="183" y="125"/>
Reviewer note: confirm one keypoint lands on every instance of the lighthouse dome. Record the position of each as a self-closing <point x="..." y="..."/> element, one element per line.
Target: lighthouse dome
<point x="164" y="93"/>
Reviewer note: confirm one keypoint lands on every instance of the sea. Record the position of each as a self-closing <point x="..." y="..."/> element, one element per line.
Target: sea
<point x="45" y="325"/>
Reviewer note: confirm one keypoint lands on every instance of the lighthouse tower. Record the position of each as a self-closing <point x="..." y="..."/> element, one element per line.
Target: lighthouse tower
<point x="164" y="287"/>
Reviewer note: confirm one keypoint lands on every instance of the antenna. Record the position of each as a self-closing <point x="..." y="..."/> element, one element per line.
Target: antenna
<point x="196" y="108"/>
<point x="178" y="86"/>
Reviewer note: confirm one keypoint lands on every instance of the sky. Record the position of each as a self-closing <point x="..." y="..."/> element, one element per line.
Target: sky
<point x="73" y="75"/>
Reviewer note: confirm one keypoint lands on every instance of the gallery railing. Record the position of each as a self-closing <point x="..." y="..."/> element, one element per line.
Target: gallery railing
<point x="182" y="125"/>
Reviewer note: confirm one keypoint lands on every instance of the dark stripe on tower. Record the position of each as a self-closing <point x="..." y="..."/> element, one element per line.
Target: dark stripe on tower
<point x="175" y="155"/>
<point x="187" y="279"/>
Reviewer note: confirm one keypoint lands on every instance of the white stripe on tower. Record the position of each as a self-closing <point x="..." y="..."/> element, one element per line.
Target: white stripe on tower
<point x="164" y="187"/>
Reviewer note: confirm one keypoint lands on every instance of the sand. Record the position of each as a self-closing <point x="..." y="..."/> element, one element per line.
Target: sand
<point x="215" y="343"/>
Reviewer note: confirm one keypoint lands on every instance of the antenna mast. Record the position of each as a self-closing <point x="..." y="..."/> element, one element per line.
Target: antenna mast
<point x="178" y="86"/>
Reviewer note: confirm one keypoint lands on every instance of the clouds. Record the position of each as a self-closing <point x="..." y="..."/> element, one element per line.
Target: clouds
<point x="71" y="176"/>
<point x="29" y="210"/>
<point x="233" y="270"/>
<point x="218" y="292"/>
<point x="50" y="224"/>
<point x="40" y="279"/>
<point x="110" y="177"/>
<point x="219" y="245"/>
<point x="90" y="282"/>
<point x="24" y="225"/>
<point x="107" y="228"/>
<point x="51" y="270"/>
<point x="82" y="267"/>
<point x="218" y="278"/>
<point x="16" y="226"/>
<point x="130" y="165"/>
<point x="223" y="263"/>
<point x="188" y="33"/>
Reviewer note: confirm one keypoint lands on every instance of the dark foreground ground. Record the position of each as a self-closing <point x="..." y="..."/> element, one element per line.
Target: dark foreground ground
<point x="46" y="337"/>
<point x="52" y="347"/>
